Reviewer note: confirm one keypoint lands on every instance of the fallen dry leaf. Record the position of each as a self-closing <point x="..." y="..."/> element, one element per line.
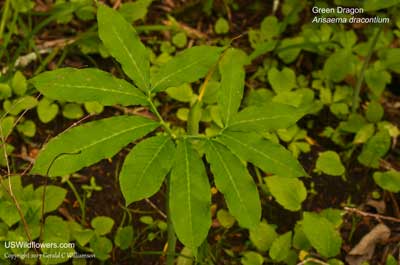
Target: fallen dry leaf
<point x="364" y="250"/>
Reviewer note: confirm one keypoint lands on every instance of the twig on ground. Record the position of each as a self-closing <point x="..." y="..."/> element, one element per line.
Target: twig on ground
<point x="374" y="215"/>
<point x="136" y="111"/>
<point x="117" y="4"/>
<point x="395" y="204"/>
<point x="79" y="122"/>
<point x="57" y="43"/>
<point x="64" y="212"/>
<point x="194" y="33"/>
<point x="156" y="208"/>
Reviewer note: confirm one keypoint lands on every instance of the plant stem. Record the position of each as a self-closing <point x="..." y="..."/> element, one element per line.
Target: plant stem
<point x="4" y="17"/>
<point x="209" y="75"/>
<point x="196" y="109"/>
<point x="171" y="232"/>
<point x="9" y="189"/>
<point x="160" y="118"/>
<point x="194" y="118"/>
<point x="46" y="61"/>
<point x="364" y="67"/>
<point x="153" y="28"/>
<point x="196" y="137"/>
<point x="7" y="36"/>
<point x="79" y="199"/>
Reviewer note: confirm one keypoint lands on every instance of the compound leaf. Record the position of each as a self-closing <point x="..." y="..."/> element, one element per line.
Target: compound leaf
<point x="87" y="144"/>
<point x="124" y="44"/>
<point x="233" y="180"/>
<point x="82" y="85"/>
<point x="189" y="197"/>
<point x="145" y="167"/>
<point x="188" y="66"/>
<point x="269" y="156"/>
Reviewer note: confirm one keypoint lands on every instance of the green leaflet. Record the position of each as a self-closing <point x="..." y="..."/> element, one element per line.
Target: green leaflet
<point x="391" y="59"/>
<point x="54" y="197"/>
<point x="18" y="84"/>
<point x="322" y="234"/>
<point x="81" y="85"/>
<point x="252" y="258"/>
<point x="282" y="81"/>
<point x="375" y="148"/>
<point x="124" y="44"/>
<point x="232" y="83"/>
<point x="374" y="112"/>
<point x="189" y="197"/>
<point x="188" y="66"/>
<point x="102" y="225"/>
<point x="288" y="192"/>
<point x="338" y="65"/>
<point x="281" y="247"/>
<point x="388" y="180"/>
<point x="263" y="236"/>
<point x="124" y="237"/>
<point x="329" y="162"/>
<point x="18" y="105"/>
<point x="233" y="180"/>
<point x="225" y="218"/>
<point x="87" y="144"/>
<point x="46" y="110"/>
<point x="56" y="228"/>
<point x="133" y="11"/>
<point x="271" y="116"/>
<point x="269" y="156"/>
<point x="186" y="257"/>
<point x="145" y="168"/>
<point x="56" y="232"/>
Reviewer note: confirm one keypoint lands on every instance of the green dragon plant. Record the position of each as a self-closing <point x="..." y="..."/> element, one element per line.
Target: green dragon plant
<point x="164" y="155"/>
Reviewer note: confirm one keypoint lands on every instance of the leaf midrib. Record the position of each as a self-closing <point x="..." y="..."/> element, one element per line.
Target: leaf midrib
<point x="231" y="179"/>
<point x="259" y="119"/>
<point x="98" y="88"/>
<point x="231" y="88"/>
<point x="155" y="86"/>
<point x="130" y="55"/>
<point x="111" y="136"/>
<point x="187" y="174"/>
<point x="149" y="163"/>
<point x="262" y="154"/>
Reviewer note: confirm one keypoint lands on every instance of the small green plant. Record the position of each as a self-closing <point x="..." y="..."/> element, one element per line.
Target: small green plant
<point x="16" y="101"/>
<point x="168" y="153"/>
